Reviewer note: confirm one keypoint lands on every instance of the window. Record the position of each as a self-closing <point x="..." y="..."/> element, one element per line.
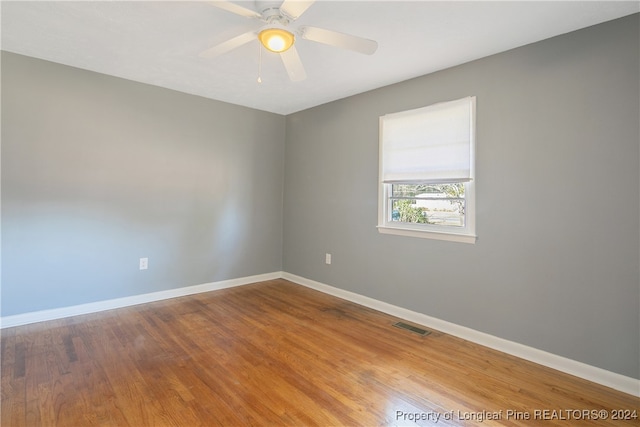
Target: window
<point x="427" y="171"/>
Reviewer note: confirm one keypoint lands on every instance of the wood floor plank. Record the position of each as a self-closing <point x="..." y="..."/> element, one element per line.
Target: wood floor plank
<point x="276" y="353"/>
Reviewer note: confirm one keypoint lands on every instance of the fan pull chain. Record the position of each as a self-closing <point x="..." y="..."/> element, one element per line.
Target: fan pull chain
<point x="259" y="63"/>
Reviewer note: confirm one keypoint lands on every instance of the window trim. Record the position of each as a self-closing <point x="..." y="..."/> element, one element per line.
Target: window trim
<point x="464" y="234"/>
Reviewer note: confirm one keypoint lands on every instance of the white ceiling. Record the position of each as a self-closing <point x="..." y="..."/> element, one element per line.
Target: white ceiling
<point x="158" y="42"/>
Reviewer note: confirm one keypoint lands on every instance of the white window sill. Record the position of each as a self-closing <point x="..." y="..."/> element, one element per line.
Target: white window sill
<point x="424" y="234"/>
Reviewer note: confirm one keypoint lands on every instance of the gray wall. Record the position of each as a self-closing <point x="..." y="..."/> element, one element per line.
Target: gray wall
<point x="98" y="172"/>
<point x="556" y="264"/>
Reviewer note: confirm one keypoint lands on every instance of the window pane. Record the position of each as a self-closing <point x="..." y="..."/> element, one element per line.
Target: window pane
<point x="439" y="204"/>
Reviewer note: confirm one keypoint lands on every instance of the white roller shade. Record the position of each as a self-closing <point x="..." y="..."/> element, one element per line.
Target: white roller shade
<point x="431" y="144"/>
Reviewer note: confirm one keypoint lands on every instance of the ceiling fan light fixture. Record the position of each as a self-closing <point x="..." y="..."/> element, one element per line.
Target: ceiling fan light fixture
<point x="276" y="39"/>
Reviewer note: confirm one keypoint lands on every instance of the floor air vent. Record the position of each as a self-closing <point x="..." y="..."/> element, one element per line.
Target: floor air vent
<point x="411" y="328"/>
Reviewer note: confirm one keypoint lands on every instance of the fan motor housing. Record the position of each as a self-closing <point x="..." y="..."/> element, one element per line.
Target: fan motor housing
<point x="271" y="12"/>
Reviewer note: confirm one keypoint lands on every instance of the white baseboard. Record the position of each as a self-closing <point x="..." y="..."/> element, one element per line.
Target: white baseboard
<point x="94" y="307"/>
<point x="591" y="373"/>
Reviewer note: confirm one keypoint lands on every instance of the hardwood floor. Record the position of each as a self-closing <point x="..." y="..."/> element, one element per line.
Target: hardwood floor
<point x="275" y="353"/>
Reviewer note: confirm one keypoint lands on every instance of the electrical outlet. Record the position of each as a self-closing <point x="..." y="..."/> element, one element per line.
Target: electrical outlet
<point x="144" y="263"/>
<point x="327" y="259"/>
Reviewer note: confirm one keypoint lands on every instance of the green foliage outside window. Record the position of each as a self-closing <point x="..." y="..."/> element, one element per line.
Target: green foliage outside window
<point x="407" y="212"/>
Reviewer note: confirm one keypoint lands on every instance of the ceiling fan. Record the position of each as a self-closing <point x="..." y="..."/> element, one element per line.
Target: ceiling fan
<point x="276" y="35"/>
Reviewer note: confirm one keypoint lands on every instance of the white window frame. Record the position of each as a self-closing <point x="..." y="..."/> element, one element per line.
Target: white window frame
<point x="465" y="234"/>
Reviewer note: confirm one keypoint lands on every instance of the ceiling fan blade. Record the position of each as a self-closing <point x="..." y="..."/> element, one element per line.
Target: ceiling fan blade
<point x="237" y="9"/>
<point x="293" y="64"/>
<point x="334" y="38"/>
<point x="295" y="8"/>
<point x="230" y="44"/>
